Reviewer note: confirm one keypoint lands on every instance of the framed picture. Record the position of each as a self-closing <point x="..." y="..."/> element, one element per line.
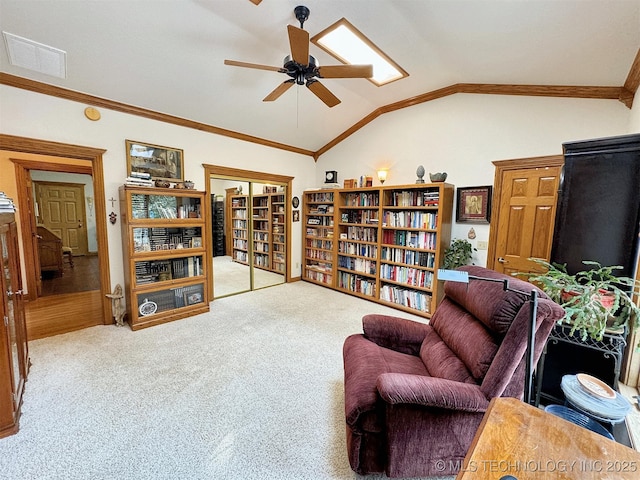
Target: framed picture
<point x="192" y="298"/>
<point x="474" y="204"/>
<point x="196" y="242"/>
<point x="164" y="163"/>
<point x="296" y="215"/>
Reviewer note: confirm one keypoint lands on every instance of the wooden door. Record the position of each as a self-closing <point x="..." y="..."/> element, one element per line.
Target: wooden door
<point x="61" y="210"/>
<point x="525" y="200"/>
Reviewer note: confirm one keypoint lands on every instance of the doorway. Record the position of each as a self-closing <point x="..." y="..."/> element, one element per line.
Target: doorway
<point x="250" y="218"/>
<point x="62" y="313"/>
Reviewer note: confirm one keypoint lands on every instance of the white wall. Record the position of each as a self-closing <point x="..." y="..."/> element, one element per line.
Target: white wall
<point x="43" y="117"/>
<point x="462" y="134"/>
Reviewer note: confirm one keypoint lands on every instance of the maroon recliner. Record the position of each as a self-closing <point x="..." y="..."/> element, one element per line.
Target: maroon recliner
<point x="415" y="393"/>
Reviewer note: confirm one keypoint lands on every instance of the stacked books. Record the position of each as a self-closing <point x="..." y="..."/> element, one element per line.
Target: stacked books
<point x="139" y="179"/>
<point x="6" y="204"/>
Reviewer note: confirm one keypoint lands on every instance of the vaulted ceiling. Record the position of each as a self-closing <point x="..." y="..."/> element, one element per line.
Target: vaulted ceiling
<point x="167" y="56"/>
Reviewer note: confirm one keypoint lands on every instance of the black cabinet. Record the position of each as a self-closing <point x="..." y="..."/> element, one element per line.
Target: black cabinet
<point x="598" y="218"/>
<point x="217" y="209"/>
<point x="598" y="214"/>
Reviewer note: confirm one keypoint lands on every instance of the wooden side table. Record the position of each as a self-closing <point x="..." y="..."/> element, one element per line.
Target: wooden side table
<point x="527" y="443"/>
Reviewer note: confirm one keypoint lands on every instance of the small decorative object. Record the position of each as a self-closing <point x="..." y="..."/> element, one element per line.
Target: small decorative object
<point x="117" y="309"/>
<point x="350" y="183"/>
<point x="162" y="183"/>
<point x="192" y="298"/>
<point x="473" y="204"/>
<point x="296" y="215"/>
<point x="92" y="114"/>
<point x="113" y="217"/>
<point x="420" y="173"/>
<point x="239" y="190"/>
<point x="295" y="201"/>
<point x="382" y="176"/>
<point x="189" y="185"/>
<point x="179" y="186"/>
<point x="147" y="308"/>
<point x="160" y="162"/>
<point x="472" y="234"/>
<point x="438" y="177"/>
<point x="368" y="181"/>
<point x="330" y="176"/>
<point x="458" y="254"/>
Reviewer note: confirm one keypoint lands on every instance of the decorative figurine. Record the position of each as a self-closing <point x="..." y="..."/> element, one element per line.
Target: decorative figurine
<point x="117" y="309"/>
<point x="420" y="174"/>
<point x="438" y="177"/>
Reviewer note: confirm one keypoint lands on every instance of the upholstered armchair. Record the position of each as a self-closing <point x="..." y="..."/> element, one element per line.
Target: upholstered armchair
<point x="415" y="393"/>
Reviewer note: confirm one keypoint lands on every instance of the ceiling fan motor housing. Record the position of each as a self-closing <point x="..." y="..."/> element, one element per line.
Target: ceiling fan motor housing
<point x="301" y="73"/>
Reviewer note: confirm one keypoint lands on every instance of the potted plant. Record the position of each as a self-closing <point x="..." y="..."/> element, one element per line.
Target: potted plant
<point x="593" y="299"/>
<point x="458" y="254"/>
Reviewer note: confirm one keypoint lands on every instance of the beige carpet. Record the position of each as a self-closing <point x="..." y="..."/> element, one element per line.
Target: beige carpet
<point x="231" y="277"/>
<point x="251" y="390"/>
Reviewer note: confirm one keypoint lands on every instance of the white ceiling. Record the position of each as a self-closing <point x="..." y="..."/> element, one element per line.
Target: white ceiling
<point x="167" y="55"/>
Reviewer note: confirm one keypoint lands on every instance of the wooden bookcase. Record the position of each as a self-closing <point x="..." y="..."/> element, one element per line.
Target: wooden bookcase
<point x="268" y="230"/>
<point x="319" y="256"/>
<point x="14" y="350"/>
<point x="163" y="234"/>
<point x="261" y="232"/>
<point x="240" y="228"/>
<point x="278" y="232"/>
<point x="387" y="245"/>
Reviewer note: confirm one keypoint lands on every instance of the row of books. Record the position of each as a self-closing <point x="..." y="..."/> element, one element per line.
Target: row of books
<point x="359" y="216"/>
<point x="410" y="257"/>
<point x="362" y="265"/>
<point x="408" y="298"/>
<point x="423" y="240"/>
<point x="415" y="198"/>
<point x="325" y="244"/>
<point x="362" y="199"/>
<point x="362" y="249"/>
<point x="426" y="220"/>
<point x="318" y="254"/>
<point x="139" y="179"/>
<point x="414" y="277"/>
<point x="357" y="283"/>
<point x="319" y="276"/>
<point x="365" y="234"/>
<point x="6" y="204"/>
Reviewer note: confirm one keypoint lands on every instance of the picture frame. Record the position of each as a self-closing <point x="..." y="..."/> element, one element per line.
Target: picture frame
<point x="162" y="163"/>
<point x="473" y="204"/>
<point x="296" y="215"/>
<point x="192" y="298"/>
<point x="196" y="242"/>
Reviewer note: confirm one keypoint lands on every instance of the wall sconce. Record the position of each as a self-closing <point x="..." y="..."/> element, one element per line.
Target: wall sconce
<point x="382" y="175"/>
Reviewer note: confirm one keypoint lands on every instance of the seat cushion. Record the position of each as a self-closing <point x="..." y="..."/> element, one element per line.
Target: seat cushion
<point x="364" y="361"/>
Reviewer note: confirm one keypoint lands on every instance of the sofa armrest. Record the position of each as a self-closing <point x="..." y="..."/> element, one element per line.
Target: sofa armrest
<point x="397" y="388"/>
<point x="396" y="333"/>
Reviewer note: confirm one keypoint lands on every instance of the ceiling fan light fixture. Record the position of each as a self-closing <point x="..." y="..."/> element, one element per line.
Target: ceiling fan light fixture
<point x="346" y="43"/>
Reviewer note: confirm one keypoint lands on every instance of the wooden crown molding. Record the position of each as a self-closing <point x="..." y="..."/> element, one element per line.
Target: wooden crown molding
<point x="625" y="94"/>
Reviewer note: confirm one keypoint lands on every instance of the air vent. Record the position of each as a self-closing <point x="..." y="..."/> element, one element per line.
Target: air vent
<point x="35" y="56"/>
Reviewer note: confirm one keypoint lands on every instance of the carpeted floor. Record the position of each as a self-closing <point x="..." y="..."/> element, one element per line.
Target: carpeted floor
<point x="231" y="277"/>
<point x="251" y="390"/>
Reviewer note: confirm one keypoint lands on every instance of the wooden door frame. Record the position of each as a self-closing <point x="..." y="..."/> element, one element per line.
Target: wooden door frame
<point x="250" y="176"/>
<point x="502" y="166"/>
<point x="27" y="220"/>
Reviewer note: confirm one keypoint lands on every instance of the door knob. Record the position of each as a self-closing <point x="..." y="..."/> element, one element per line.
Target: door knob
<point x="502" y="260"/>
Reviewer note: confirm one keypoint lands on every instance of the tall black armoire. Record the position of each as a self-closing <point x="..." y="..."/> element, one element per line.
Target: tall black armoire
<point x="597" y="218"/>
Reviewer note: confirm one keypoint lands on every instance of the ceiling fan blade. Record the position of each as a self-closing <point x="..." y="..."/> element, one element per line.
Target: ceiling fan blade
<point x="346" y="71"/>
<point x="234" y="63"/>
<point x="299" y="43"/>
<point x="280" y="89"/>
<point x="323" y="93"/>
<point x="256" y="2"/>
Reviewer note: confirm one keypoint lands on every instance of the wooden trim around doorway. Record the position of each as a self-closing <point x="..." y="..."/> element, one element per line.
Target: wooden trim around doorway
<point x="95" y="169"/>
<point x="253" y="176"/>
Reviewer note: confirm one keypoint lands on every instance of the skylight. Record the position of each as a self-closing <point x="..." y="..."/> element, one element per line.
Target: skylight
<point x="346" y="43"/>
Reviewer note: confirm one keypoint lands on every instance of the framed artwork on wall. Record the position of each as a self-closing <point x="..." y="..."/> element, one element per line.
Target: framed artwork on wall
<point x="164" y="163"/>
<point x="474" y="204"/>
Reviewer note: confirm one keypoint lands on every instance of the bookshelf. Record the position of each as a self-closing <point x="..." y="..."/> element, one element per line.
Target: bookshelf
<point x="163" y="236"/>
<point x="278" y="232"/>
<point x="357" y="266"/>
<point x="240" y="228"/>
<point x="389" y="242"/>
<point x="261" y="232"/>
<point x="318" y="217"/>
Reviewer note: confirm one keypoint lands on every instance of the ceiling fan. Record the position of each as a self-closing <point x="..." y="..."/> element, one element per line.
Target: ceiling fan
<point x="303" y="68"/>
